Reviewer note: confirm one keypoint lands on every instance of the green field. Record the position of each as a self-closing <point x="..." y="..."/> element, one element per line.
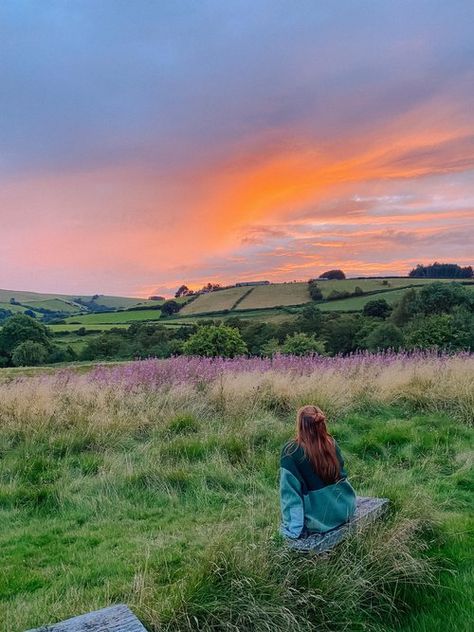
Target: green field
<point x="15" y="309"/>
<point x="112" y="318"/>
<point x="56" y="305"/>
<point x="168" y="501"/>
<point x="264" y="296"/>
<point x="61" y="302"/>
<point x="214" y="301"/>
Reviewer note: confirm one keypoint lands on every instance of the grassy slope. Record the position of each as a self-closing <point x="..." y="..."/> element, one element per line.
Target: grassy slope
<point x="172" y="517"/>
<point x="214" y="301"/>
<point x="276" y="294"/>
<point x="57" y="304"/>
<point x="113" y="318"/>
<point x="33" y="297"/>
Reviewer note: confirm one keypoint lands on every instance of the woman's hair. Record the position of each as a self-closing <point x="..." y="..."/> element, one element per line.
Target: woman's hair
<point x="319" y="447"/>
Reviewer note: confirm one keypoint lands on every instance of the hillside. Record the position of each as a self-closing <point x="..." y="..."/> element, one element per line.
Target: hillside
<point x="276" y="295"/>
<point x="64" y="303"/>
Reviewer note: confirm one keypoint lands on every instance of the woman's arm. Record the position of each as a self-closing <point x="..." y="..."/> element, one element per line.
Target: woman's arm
<point x="292" y="508"/>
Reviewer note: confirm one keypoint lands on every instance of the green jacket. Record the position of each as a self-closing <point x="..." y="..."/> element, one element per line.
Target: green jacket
<point x="308" y="504"/>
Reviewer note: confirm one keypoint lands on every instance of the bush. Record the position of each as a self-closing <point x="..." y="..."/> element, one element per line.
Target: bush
<point x="378" y="308"/>
<point x="29" y="353"/>
<point x="215" y="340"/>
<point x="314" y="290"/>
<point x="337" y="294"/>
<point x="170" y="307"/>
<point x="385" y="336"/>
<point x="20" y="328"/>
<point x="302" y="344"/>
<point x="435" y="331"/>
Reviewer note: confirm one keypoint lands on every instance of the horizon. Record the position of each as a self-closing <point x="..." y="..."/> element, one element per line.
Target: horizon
<point x="152" y="145"/>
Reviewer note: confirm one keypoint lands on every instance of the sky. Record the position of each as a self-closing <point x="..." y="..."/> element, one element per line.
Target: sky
<point x="152" y="143"/>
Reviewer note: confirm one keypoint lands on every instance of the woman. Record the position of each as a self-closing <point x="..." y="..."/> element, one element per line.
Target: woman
<point x="314" y="491"/>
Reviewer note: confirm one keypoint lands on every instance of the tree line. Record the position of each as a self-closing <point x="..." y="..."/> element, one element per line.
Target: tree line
<point x="436" y="316"/>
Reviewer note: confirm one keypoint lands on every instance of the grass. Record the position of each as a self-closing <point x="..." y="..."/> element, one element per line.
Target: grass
<point x="167" y="499"/>
<point x="356" y="303"/>
<point x="214" y="301"/>
<point x="56" y="305"/>
<point x="264" y="296"/>
<point x="115" y="318"/>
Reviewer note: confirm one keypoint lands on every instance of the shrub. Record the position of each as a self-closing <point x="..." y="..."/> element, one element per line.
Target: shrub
<point x="314" y="290"/>
<point x="20" y="328"/>
<point x="378" y="308"/>
<point x="302" y="344"/>
<point x="385" y="336"/>
<point x="216" y="340"/>
<point x="29" y="353"/>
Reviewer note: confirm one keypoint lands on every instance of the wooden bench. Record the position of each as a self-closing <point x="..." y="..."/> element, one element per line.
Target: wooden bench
<point x="114" y="619"/>
<point x="368" y="509"/>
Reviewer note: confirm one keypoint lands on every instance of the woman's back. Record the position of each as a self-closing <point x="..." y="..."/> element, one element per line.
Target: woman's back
<point x="314" y="491"/>
<point x="309" y="505"/>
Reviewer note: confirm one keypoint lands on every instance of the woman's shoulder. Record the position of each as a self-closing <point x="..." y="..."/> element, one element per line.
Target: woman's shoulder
<point x="291" y="451"/>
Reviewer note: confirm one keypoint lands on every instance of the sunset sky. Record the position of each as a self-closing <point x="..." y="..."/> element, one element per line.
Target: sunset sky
<point x="147" y="143"/>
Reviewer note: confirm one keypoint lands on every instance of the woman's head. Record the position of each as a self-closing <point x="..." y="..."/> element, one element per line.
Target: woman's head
<point x="312" y="435"/>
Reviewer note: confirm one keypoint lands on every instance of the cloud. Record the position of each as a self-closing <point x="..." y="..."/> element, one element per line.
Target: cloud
<point x="144" y="145"/>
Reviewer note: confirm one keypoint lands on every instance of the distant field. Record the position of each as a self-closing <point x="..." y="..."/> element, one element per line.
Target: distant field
<point x="356" y="303"/>
<point x="114" y="318"/>
<point x="31" y="298"/>
<point x="12" y="308"/>
<point x="214" y="301"/>
<point x="56" y="305"/>
<point x="264" y="296"/>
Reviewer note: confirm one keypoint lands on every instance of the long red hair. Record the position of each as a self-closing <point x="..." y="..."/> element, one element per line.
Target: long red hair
<point x="313" y="436"/>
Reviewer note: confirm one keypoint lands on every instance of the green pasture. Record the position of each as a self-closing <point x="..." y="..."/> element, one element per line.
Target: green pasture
<point x="113" y="318"/>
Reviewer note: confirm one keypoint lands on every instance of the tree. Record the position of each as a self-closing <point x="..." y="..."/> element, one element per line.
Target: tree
<point x="333" y="274"/>
<point x="106" y="346"/>
<point x="441" y="271"/>
<point x="256" y="335"/>
<point x="441" y="298"/>
<point x="378" y="308"/>
<point x="30" y="313"/>
<point x="302" y="344"/>
<point x="170" y="307"/>
<point x="315" y="290"/>
<point x="342" y="334"/>
<point x="4" y="314"/>
<point x="215" y="340"/>
<point x="385" y="336"/>
<point x="271" y="348"/>
<point x="358" y="291"/>
<point x="29" y="353"/>
<point x="310" y="320"/>
<point x="435" y="331"/>
<point x="20" y="328"/>
<point x="405" y="309"/>
<point x="183" y="290"/>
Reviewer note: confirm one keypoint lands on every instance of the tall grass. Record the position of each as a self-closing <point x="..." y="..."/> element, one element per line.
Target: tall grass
<point x="156" y="484"/>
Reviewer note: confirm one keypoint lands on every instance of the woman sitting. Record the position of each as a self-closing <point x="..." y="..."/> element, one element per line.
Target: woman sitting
<point x="314" y="491"/>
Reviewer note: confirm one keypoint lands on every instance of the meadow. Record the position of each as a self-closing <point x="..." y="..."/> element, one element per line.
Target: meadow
<point x="156" y="483"/>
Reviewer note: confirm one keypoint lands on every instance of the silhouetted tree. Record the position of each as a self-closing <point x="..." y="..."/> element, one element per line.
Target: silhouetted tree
<point x="333" y="274"/>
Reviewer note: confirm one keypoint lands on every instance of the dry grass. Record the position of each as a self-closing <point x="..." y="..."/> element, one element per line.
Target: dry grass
<point x="276" y="294"/>
<point x="214" y="301"/>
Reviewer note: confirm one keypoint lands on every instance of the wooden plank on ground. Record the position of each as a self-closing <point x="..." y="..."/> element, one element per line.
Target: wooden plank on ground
<point x="113" y="619"/>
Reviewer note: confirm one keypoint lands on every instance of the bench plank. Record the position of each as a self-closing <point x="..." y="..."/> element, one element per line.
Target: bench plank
<point x="113" y="619"/>
<point x="367" y="510"/>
